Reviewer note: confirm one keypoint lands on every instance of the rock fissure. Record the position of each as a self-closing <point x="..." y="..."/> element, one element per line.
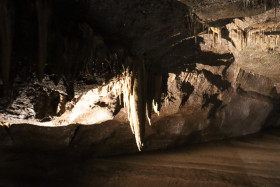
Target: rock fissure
<point x="76" y="131"/>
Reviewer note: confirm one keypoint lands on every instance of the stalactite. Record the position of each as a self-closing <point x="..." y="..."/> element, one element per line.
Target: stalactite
<point x="248" y="36"/>
<point x="261" y="34"/>
<point x="140" y="92"/>
<point x="43" y="14"/>
<point x="139" y="99"/>
<point x="264" y="3"/>
<point x="127" y="91"/>
<point x="243" y="36"/>
<point x="6" y="37"/>
<point x="194" y="25"/>
<point x="239" y="37"/>
<point x="246" y="3"/>
<point x="216" y="31"/>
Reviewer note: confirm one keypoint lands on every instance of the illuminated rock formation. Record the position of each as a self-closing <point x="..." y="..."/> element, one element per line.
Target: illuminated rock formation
<point x="115" y="73"/>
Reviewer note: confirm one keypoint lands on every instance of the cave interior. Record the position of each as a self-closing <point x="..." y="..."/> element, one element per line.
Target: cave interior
<point x="102" y="86"/>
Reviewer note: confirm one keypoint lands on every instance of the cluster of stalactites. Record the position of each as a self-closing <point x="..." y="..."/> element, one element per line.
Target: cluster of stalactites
<point x="138" y="99"/>
<point x="216" y="34"/>
<point x="265" y="3"/>
<point x="251" y="3"/>
<point x="263" y="35"/>
<point x="6" y="39"/>
<point x="194" y="25"/>
<point x="258" y="36"/>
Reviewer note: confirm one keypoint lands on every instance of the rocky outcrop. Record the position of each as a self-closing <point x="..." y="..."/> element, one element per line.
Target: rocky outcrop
<point x="208" y="75"/>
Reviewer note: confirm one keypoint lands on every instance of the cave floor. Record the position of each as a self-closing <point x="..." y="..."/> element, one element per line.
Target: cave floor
<point x="246" y="161"/>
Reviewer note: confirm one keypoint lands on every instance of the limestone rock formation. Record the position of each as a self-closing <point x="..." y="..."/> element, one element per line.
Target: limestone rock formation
<point x="172" y="72"/>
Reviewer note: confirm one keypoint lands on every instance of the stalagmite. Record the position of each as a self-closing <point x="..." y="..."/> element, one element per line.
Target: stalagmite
<point x="43" y="14"/>
<point x="6" y="38"/>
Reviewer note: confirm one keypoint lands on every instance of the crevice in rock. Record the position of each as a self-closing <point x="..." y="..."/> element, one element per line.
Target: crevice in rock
<point x="76" y="131"/>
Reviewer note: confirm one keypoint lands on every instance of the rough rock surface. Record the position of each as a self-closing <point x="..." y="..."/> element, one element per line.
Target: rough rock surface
<point x="216" y="85"/>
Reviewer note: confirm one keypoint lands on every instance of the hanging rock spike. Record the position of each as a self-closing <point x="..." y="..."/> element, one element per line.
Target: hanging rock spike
<point x="139" y="102"/>
<point x="139" y="98"/>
